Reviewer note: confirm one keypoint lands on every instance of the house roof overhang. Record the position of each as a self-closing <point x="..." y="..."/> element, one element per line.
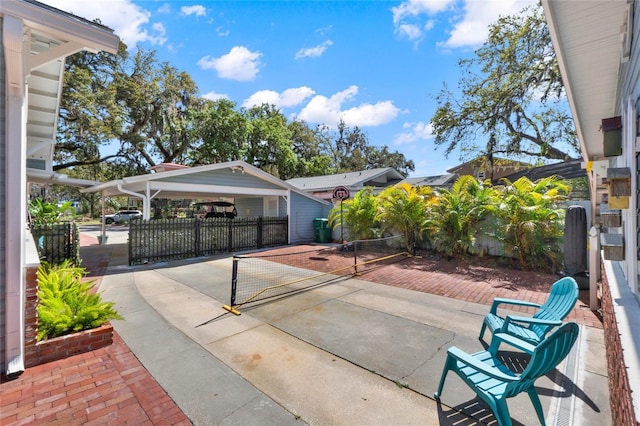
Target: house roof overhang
<point x="45" y="36"/>
<point x="590" y="38"/>
<point x="44" y="177"/>
<point x="164" y="185"/>
<point x="352" y="180"/>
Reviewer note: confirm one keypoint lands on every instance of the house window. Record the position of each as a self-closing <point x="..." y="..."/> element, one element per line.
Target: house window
<point x="270" y="205"/>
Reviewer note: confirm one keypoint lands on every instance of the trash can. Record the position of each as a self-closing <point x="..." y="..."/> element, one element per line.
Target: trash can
<point x="322" y="230"/>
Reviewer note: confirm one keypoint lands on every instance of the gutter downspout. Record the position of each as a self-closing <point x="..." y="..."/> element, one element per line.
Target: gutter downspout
<point x="134" y="194"/>
<point x="16" y="197"/>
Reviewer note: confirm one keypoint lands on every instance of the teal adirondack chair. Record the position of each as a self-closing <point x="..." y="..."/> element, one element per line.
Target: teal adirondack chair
<point x="493" y="382"/>
<point x="561" y="300"/>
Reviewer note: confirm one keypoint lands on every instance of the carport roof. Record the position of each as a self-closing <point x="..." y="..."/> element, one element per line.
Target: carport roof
<point x="164" y="184"/>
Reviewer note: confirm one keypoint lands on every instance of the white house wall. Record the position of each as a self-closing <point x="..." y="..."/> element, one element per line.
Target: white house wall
<point x="3" y="195"/>
<point x="623" y="276"/>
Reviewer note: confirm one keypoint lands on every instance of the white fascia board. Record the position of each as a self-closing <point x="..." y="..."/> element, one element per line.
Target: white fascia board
<point x="62" y="25"/>
<point x="248" y="168"/>
<point x="214" y="189"/>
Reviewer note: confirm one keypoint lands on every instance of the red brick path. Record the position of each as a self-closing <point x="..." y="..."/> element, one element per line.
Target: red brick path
<point x="478" y="282"/>
<point x="106" y="386"/>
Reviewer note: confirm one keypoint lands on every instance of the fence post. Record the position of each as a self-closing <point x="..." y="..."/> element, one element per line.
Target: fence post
<point x="259" y="230"/>
<point x="197" y="237"/>
<point x="230" y="240"/>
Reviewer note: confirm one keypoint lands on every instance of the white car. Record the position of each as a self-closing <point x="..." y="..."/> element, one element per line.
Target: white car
<point x="122" y="216"/>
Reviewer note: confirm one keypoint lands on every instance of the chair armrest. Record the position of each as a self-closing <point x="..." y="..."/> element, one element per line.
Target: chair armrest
<point x="501" y="300"/>
<point x="510" y="340"/>
<point x="529" y="320"/>
<point x="470" y="361"/>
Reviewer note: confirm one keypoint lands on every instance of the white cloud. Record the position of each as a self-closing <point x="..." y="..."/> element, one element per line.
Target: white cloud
<point x="415" y="132"/>
<point x="193" y="10"/>
<point x="239" y="64"/>
<point x="313" y="51"/>
<point x="128" y="20"/>
<point x="470" y="26"/>
<point x="329" y="111"/>
<point x="412" y="32"/>
<point x="412" y="8"/>
<point x="213" y="96"/>
<point x="222" y="32"/>
<point x="165" y="8"/>
<point x="286" y="99"/>
<point x="371" y="114"/>
<point x="473" y="28"/>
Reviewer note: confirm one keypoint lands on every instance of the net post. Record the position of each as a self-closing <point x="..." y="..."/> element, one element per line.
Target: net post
<point x="234" y="280"/>
<point x="355" y="258"/>
<point x="234" y="285"/>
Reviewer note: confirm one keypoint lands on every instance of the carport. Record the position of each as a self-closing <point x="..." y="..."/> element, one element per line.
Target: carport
<point x="255" y="193"/>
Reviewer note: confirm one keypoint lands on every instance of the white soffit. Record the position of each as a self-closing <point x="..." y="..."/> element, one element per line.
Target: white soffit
<point x="50" y="36"/>
<point x="588" y="43"/>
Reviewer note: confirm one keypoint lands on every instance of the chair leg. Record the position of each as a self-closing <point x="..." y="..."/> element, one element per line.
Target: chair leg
<point x="501" y="411"/>
<point x="535" y="400"/>
<point x="445" y="370"/>
<point x="484" y="327"/>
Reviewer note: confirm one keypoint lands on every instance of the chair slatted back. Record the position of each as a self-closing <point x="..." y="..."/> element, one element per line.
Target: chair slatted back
<point x="546" y="356"/>
<point x="561" y="300"/>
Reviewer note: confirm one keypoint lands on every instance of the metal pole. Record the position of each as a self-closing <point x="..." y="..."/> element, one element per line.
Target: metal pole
<point x="341" y="227"/>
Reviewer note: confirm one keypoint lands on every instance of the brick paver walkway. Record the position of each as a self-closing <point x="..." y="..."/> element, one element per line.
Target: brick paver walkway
<point x="106" y="386"/>
<point x="478" y="283"/>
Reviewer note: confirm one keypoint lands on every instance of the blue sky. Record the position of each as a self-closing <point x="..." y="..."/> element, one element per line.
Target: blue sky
<point x="376" y="64"/>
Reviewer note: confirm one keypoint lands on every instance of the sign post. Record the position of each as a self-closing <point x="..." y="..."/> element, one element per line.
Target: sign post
<point x="341" y="193"/>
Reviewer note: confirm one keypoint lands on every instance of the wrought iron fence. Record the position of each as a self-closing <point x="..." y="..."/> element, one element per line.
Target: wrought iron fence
<point x="172" y="239"/>
<point x="57" y="242"/>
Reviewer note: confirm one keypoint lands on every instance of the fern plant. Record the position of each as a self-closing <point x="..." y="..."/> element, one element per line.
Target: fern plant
<point x="67" y="304"/>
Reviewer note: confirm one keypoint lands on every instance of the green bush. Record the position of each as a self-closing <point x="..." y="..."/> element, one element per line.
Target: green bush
<point x="67" y="304"/>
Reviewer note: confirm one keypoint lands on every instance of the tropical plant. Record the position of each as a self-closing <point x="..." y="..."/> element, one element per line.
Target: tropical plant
<point x="67" y="304"/>
<point x="402" y="209"/>
<point x="357" y="216"/>
<point x="45" y="213"/>
<point x="455" y="215"/>
<point x="532" y="222"/>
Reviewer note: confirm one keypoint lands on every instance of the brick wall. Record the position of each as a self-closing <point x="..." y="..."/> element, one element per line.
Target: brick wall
<point x="37" y="353"/>
<point x="622" y="411"/>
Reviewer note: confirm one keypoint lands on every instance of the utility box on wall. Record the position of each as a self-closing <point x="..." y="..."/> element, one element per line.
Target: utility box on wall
<point x="612" y="136"/>
<point x="612" y="246"/>
<point x="619" y="180"/>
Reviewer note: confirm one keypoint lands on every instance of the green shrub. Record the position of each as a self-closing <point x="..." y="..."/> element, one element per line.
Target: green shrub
<point x="67" y="304"/>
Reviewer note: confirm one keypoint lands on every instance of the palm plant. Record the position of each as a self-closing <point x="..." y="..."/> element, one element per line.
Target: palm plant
<point x="455" y="214"/>
<point x="403" y="209"/>
<point x="531" y="221"/>
<point x="357" y="216"/>
<point x="44" y="213"/>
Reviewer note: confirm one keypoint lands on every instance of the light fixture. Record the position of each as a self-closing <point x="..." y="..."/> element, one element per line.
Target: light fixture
<point x="237" y="168"/>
